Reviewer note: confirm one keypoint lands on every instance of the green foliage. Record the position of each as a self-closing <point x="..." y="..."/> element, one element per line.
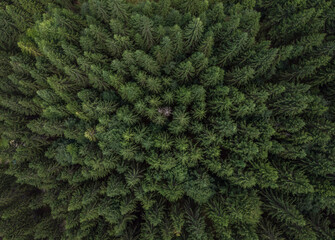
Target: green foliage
<point x="167" y="119"/>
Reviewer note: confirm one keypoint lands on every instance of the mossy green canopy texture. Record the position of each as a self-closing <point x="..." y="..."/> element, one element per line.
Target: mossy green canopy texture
<point x="167" y="120"/>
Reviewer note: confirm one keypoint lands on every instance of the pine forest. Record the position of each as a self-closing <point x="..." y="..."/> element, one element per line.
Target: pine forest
<point x="167" y="119"/>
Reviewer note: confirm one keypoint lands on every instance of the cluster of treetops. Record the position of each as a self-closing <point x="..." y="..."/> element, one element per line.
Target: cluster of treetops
<point x="167" y="120"/>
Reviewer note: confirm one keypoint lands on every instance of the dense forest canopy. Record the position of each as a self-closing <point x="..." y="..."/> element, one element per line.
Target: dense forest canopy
<point x="167" y="119"/>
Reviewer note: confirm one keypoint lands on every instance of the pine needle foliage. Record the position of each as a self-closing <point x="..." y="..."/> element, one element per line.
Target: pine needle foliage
<point x="167" y="119"/>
